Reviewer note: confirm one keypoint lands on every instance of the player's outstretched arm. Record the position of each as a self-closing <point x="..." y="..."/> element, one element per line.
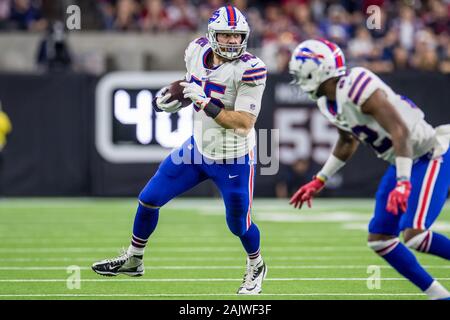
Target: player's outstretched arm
<point x="387" y="116"/>
<point x="344" y="148"/>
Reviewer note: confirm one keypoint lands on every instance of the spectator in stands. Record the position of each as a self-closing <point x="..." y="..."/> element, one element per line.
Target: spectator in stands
<point x="444" y="66"/>
<point x="257" y="22"/>
<point x="425" y="55"/>
<point x="272" y="16"/>
<point x="279" y="34"/>
<point x="289" y="6"/>
<point x="310" y="31"/>
<point x="361" y="47"/>
<point x="386" y="46"/>
<point x="154" y="16"/>
<point x="53" y="53"/>
<point x="107" y="12"/>
<point x="126" y="18"/>
<point x="437" y="18"/>
<point x="392" y="46"/>
<point x="5" y="129"/>
<point x="283" y="58"/>
<point x="407" y="25"/>
<point x="301" y="14"/>
<point x="242" y="5"/>
<point x="5" y="7"/>
<point x="276" y="23"/>
<point x="318" y="9"/>
<point x="182" y="15"/>
<point x="303" y="18"/>
<point x="336" y="28"/>
<point x="27" y="16"/>
<point x="401" y="58"/>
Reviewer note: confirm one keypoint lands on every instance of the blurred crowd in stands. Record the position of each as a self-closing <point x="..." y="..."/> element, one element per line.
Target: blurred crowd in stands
<point x="412" y="34"/>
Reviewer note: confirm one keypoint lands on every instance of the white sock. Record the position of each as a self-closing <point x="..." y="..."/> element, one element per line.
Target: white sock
<point x="437" y="291"/>
<point x="134" y="251"/>
<point x="255" y="261"/>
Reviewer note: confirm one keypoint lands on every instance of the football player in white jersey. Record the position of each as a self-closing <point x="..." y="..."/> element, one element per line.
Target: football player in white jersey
<point x="225" y="84"/>
<point x="414" y="189"/>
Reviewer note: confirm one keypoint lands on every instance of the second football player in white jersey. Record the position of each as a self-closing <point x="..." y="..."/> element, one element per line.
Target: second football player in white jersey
<point x="414" y="189"/>
<point x="225" y="84"/>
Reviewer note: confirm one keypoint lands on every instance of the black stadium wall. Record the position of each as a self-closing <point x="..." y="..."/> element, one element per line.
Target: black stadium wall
<point x="77" y="135"/>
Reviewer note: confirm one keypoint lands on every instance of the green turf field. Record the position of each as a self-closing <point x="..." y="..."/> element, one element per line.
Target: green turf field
<point x="319" y="253"/>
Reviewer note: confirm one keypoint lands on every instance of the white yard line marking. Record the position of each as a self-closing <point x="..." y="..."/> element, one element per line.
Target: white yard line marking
<point x="202" y="280"/>
<point x="209" y="259"/>
<point x="48" y="268"/>
<point x="187" y="249"/>
<point x="169" y="240"/>
<point x="211" y="294"/>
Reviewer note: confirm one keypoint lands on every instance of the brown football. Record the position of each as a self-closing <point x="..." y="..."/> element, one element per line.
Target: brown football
<point x="176" y="90"/>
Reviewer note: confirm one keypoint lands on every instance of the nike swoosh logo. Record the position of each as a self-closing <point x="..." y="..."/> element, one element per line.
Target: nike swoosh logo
<point x="232" y="177"/>
<point x="253" y="65"/>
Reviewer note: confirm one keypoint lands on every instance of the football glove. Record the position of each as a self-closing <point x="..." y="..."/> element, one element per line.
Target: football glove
<point x="162" y="104"/>
<point x="306" y="193"/>
<point x="194" y="92"/>
<point x="399" y="197"/>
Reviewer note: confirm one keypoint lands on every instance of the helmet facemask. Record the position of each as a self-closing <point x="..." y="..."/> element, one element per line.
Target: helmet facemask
<point x="307" y="77"/>
<point x="228" y="51"/>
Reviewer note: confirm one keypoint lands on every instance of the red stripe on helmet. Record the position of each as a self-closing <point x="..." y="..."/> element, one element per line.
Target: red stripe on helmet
<point x="338" y="59"/>
<point x="231" y="16"/>
<point x="329" y="44"/>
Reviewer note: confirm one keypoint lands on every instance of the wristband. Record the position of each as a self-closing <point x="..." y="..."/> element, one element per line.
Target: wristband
<point x="212" y="110"/>
<point x="330" y="167"/>
<point x="403" y="166"/>
<point x="320" y="178"/>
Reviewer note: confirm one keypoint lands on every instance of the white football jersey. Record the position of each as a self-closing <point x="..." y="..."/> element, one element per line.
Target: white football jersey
<point x="352" y="91"/>
<point x="236" y="85"/>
